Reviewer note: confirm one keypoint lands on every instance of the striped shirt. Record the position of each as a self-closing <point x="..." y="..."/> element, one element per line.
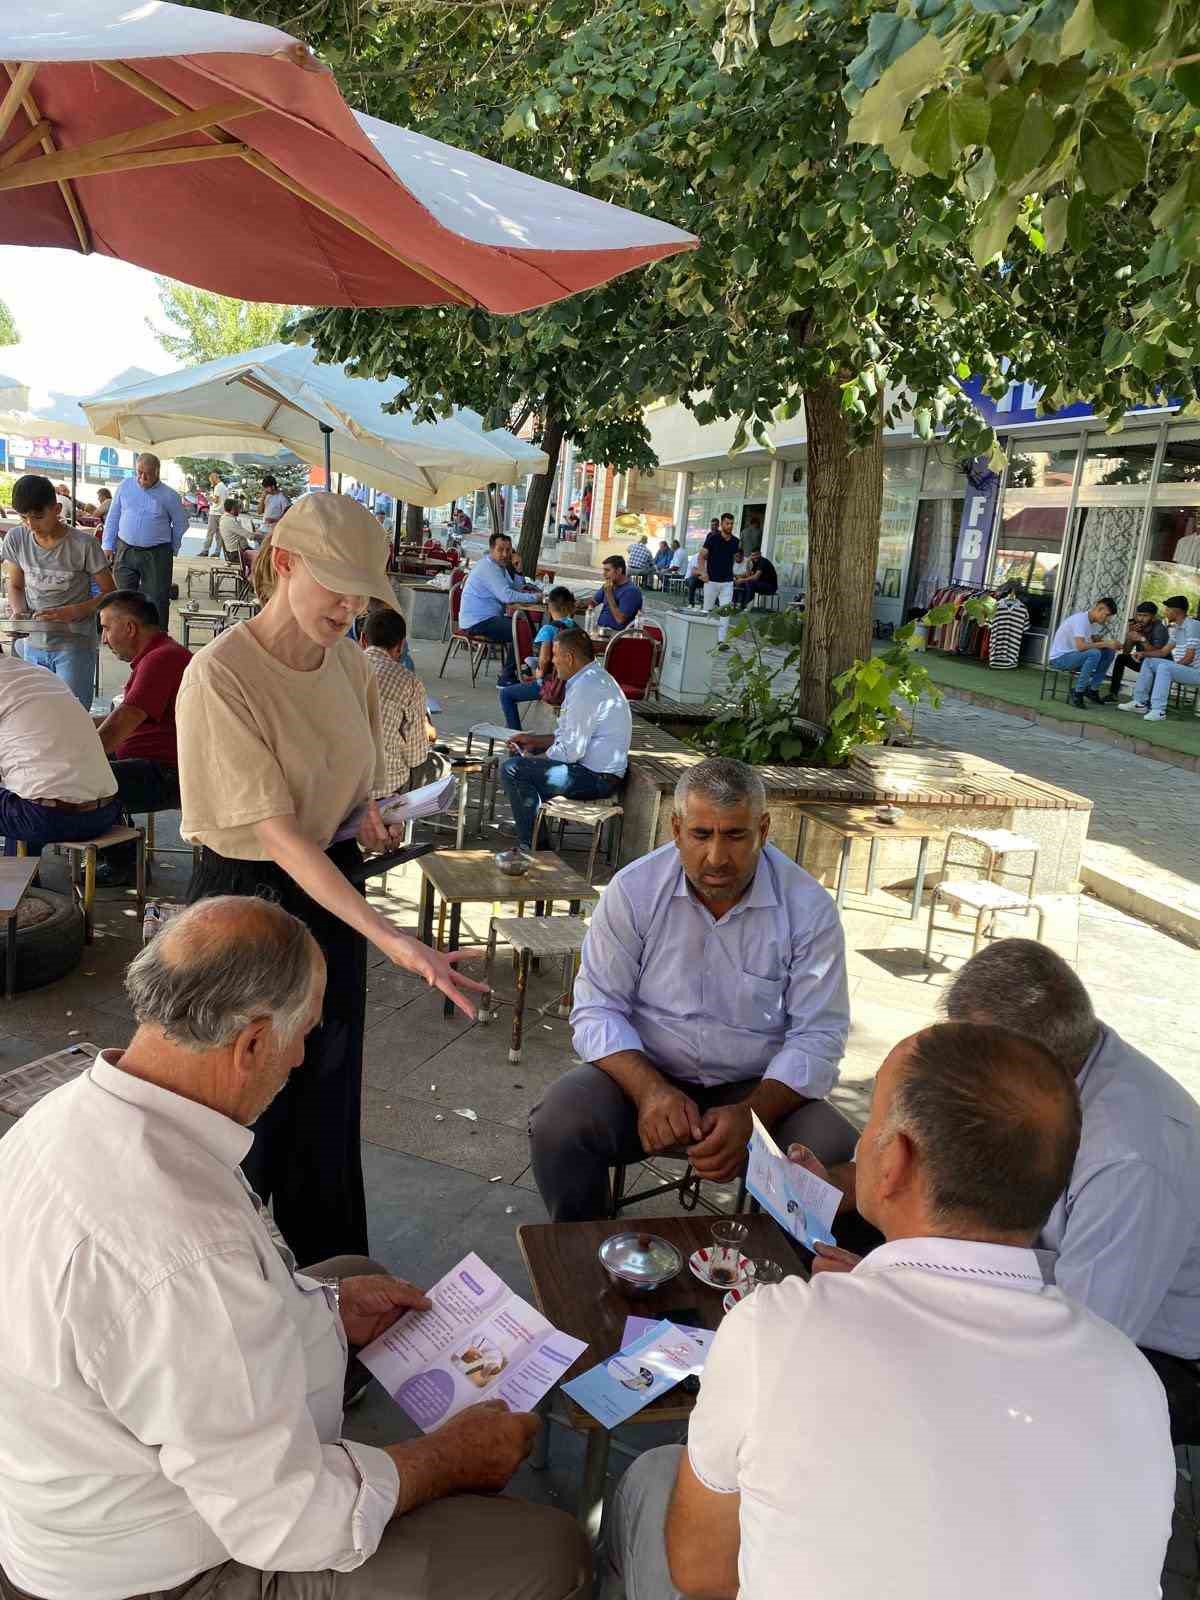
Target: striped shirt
<point x="403" y="713"/>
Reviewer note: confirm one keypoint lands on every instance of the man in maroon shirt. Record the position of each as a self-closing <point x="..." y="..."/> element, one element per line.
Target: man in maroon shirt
<point x="139" y="734"/>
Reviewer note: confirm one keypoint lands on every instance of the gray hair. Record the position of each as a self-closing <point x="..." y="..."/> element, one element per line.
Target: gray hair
<point x="722" y="782"/>
<point x="147" y="455"/>
<point x="1022" y="985"/>
<point x="221" y="965"/>
<point x="995" y="1120"/>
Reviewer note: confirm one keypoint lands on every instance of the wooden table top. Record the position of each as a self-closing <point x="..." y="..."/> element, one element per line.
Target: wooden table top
<point x="472" y="875"/>
<point x="573" y="1291"/>
<point x="16" y="874"/>
<point x="860" y="822"/>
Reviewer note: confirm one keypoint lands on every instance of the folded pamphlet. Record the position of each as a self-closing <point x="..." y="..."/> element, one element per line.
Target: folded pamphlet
<point x="478" y="1341"/>
<point x="397" y="809"/>
<point x="802" y="1204"/>
<point x="620" y="1387"/>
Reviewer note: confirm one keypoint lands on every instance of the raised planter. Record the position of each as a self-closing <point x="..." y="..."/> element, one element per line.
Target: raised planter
<point x="1056" y="818"/>
<point x="424" y="608"/>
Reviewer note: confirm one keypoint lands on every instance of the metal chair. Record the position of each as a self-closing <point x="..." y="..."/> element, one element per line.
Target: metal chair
<point x="594" y="814"/>
<point x="88" y="849"/>
<point x="477" y="650"/>
<point x="686" y="1187"/>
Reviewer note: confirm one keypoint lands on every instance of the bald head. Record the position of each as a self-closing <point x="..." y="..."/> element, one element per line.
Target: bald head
<point x="221" y="965"/>
<point x="992" y="1120"/>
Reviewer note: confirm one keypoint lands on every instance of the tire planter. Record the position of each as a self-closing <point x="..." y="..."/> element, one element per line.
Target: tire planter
<point x="49" y="938"/>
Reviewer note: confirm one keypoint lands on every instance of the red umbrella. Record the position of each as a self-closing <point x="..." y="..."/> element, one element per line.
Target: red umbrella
<point x="220" y="153"/>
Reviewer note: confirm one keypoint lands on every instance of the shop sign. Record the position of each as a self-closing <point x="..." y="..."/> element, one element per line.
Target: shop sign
<point x="978" y="519"/>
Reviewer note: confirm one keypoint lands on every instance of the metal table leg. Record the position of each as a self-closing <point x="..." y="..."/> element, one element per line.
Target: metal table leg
<point x="919" y="880"/>
<point x="803" y="844"/>
<point x="872" y="857"/>
<point x="843" y="882"/>
<point x="518" y="1022"/>
<point x="425" y="923"/>
<point x="460" y="832"/>
<point x="595" y="1475"/>
<point x="455" y="925"/>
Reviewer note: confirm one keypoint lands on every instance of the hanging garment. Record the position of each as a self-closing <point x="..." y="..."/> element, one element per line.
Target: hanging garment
<point x="1010" y="622"/>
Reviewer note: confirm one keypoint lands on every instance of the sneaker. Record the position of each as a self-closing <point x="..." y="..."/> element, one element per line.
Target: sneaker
<point x="1155" y="716"/>
<point x="514" y="862"/>
<point x="1132" y="705"/>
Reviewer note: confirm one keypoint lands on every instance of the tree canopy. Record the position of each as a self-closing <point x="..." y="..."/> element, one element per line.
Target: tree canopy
<point x="8" y="328"/>
<point x="210" y="325"/>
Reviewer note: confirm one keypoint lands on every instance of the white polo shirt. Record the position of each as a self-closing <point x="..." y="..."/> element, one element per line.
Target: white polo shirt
<point x="49" y="747"/>
<point x="935" y="1424"/>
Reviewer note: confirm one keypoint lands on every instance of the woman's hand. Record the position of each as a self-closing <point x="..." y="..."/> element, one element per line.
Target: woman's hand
<point x="438" y="970"/>
<point x="374" y="834"/>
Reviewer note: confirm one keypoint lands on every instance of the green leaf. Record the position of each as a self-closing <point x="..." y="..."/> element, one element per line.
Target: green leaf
<point x="1054" y="221"/>
<point x="1082" y="32"/>
<point x="1020" y="134"/>
<point x="888" y="37"/>
<point x="1111" y="156"/>
<point x="882" y="110"/>
<point x="991" y="235"/>
<point x="1187" y="81"/>
<point x="787" y="24"/>
<point x="1079" y="234"/>
<point x="1133" y="23"/>
<point x="947" y="125"/>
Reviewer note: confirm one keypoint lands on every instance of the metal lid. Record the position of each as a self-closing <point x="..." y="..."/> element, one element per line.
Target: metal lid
<point x="641" y="1258"/>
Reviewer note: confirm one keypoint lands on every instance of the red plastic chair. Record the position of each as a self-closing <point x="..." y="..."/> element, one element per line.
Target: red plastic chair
<point x="477" y="649"/>
<point x="651" y="630"/>
<point x="631" y="661"/>
<point x="522" y="631"/>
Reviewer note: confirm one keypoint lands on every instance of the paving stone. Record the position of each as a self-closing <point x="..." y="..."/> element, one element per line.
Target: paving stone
<point x="486" y="1148"/>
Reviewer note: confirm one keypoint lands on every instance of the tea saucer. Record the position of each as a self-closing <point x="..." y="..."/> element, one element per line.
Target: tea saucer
<point x="699" y="1261"/>
<point x="734" y="1297"/>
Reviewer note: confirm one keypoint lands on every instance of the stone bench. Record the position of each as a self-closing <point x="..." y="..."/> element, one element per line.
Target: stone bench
<point x="992" y="797"/>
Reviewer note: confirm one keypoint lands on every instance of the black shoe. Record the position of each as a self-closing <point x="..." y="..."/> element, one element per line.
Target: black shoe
<point x="1110" y="700"/>
<point x="1077" y="701"/>
<point x="109" y="876"/>
<point x="1094" y="696"/>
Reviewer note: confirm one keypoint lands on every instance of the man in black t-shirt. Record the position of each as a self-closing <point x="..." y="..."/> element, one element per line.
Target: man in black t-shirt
<point x="721" y="550"/>
<point x="761" y="578"/>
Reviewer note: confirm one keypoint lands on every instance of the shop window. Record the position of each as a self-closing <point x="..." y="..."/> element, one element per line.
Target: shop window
<point x="1172" y="556"/>
<point x="758" y="482"/>
<point x="902" y="468"/>
<point x="1106" y="545"/>
<point x="1181" y="461"/>
<point x="789" y="546"/>
<point x="1030" y="551"/>
<point x="1041" y="469"/>
<point x="943" y="472"/>
<point x="703" y="483"/>
<point x="1116" y="462"/>
<point x="650" y="498"/>
<point x="935" y="545"/>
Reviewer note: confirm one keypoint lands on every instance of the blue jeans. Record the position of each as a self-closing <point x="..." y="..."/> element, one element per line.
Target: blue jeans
<point x="528" y="780"/>
<point x="1153" y="687"/>
<point x="74" y="664"/>
<point x="39" y="825"/>
<point x="1092" y="664"/>
<point x="513" y="695"/>
<point x="497" y="630"/>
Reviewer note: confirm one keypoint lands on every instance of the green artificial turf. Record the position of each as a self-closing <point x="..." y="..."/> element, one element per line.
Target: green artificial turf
<point x="1020" y="687"/>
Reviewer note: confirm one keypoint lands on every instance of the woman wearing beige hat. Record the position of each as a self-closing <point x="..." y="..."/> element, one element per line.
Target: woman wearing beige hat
<point x="279" y="741"/>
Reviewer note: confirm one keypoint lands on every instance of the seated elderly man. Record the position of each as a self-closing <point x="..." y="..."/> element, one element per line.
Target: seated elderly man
<point x="1124" y="1235"/>
<point x="172" y="1385"/>
<point x="713" y="984"/>
<point x="56" y="785"/>
<point x="588" y="752"/>
<point x="940" y="1422"/>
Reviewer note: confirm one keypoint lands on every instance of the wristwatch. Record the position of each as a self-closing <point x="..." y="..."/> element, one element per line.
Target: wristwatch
<point x="334" y="1285"/>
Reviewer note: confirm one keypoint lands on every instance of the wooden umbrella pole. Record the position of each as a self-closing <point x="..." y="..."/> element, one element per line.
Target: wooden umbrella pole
<point x="30" y="107"/>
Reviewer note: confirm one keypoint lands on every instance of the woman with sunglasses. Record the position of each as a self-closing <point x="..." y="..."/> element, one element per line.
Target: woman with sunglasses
<point x="279" y="742"/>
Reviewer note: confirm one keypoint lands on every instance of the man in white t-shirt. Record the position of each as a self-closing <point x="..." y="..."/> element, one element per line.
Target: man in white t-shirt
<point x="941" y="1421"/>
<point x="219" y="491"/>
<point x="56" y="785"/>
<point x="1083" y="645"/>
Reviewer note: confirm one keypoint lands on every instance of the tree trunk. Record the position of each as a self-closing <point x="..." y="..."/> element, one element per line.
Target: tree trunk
<point x="414" y="516"/>
<point x="537" y="502"/>
<point x="845" y="501"/>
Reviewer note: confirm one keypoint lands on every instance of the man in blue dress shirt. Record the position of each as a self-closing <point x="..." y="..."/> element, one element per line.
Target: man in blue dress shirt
<point x="713" y="983"/>
<point x="144" y="530"/>
<point x="490" y="596"/>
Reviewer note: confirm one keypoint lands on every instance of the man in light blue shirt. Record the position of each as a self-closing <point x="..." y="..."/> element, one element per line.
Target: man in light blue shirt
<point x="588" y="752"/>
<point x="489" y="598"/>
<point x="144" y="530"/>
<point x="713" y="984"/>
<point x="1124" y="1237"/>
<point x="1180" y="665"/>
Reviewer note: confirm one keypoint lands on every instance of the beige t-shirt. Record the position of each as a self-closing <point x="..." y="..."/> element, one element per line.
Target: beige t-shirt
<point x="258" y="739"/>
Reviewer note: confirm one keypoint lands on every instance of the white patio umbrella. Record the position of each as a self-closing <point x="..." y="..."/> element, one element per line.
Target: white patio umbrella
<point x="60" y="416"/>
<point x="281" y="394"/>
<point x="13" y="393"/>
<point x="129" y="127"/>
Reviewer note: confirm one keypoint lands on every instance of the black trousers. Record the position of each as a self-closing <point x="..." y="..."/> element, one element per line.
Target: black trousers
<point x="1123" y="661"/>
<point x="1181" y="1380"/>
<point x="306" y="1160"/>
<point x="142" y="786"/>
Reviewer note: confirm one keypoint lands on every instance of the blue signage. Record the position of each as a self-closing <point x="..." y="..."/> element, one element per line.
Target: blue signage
<point x="978" y="520"/>
<point x="1019" y="406"/>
